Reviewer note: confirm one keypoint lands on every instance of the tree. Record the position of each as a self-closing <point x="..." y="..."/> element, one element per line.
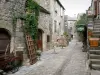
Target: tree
<point x="82" y="20"/>
<point x="82" y="23"/>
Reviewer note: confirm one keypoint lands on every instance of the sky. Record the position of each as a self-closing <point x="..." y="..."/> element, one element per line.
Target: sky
<point x="73" y="7"/>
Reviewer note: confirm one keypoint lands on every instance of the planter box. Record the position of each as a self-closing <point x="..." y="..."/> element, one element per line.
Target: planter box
<point x="94" y="42"/>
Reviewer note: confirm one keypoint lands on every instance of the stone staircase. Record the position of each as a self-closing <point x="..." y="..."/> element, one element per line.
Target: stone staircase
<point x="94" y="57"/>
<point x="96" y="28"/>
<point x="94" y="52"/>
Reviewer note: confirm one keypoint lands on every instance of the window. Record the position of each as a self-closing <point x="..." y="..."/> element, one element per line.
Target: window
<point x="48" y="38"/>
<point x="59" y="27"/>
<point x="55" y="6"/>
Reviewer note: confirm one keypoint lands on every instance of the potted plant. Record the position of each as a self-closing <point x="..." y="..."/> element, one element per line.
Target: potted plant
<point x="89" y="32"/>
<point x="38" y="53"/>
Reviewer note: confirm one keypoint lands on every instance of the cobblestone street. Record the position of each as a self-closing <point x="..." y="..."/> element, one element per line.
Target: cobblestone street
<point x="77" y="63"/>
<point x="49" y="37"/>
<point x="68" y="61"/>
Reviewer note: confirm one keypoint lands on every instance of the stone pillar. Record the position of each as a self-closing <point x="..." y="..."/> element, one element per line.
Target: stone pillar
<point x="44" y="41"/>
<point x="12" y="45"/>
<point x="19" y="39"/>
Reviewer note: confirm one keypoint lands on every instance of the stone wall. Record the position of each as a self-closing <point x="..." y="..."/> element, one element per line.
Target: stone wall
<point x="44" y="3"/>
<point x="44" y="20"/>
<point x="9" y="9"/>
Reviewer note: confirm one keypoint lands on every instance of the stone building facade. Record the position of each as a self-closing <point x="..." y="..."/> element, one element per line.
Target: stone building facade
<point x="57" y="19"/>
<point x="9" y="9"/>
<point x="12" y="9"/>
<point x="44" y="23"/>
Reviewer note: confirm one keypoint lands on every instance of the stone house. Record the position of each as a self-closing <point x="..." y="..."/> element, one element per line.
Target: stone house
<point x="12" y="35"/>
<point x="57" y="19"/>
<point x="44" y="24"/>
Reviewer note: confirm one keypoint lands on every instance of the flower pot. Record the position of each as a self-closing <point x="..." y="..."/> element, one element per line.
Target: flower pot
<point x="89" y="33"/>
<point x="94" y="42"/>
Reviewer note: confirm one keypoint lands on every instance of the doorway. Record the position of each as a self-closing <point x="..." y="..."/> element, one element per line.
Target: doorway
<point x="40" y="41"/>
<point x="4" y="41"/>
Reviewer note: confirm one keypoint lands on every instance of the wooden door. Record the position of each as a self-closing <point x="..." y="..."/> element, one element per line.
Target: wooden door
<point x="4" y="45"/>
<point x="40" y="46"/>
<point x="4" y="42"/>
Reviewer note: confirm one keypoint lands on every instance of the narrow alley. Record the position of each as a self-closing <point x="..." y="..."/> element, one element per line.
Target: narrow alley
<point x="49" y="37"/>
<point x="68" y="61"/>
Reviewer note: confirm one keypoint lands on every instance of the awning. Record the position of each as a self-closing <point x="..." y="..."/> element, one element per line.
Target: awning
<point x="80" y="29"/>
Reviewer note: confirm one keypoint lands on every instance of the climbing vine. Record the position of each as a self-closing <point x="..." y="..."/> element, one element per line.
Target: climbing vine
<point x="31" y="18"/>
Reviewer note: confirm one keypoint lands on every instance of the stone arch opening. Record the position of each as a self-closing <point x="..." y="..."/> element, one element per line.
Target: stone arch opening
<point x="5" y="38"/>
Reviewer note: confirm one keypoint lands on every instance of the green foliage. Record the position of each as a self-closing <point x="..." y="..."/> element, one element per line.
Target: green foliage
<point x="81" y="23"/>
<point x="65" y="33"/>
<point x="31" y="18"/>
<point x="82" y="20"/>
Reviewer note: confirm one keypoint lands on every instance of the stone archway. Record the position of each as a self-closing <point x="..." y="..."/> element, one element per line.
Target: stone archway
<point x="4" y="41"/>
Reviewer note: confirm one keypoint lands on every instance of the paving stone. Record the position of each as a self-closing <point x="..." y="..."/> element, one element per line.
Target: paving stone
<point x="68" y="61"/>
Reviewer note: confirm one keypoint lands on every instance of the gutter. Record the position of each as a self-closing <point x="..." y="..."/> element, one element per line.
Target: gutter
<point x="60" y="4"/>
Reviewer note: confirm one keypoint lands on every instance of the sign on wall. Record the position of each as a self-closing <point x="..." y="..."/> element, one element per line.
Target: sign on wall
<point x="90" y="26"/>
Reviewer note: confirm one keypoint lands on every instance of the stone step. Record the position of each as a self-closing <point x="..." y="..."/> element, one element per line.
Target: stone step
<point x="97" y="23"/>
<point x="97" y="20"/>
<point x="97" y="52"/>
<point x="94" y="48"/>
<point x="95" y="61"/>
<point x="94" y="56"/>
<point x="96" y="35"/>
<point x="96" y="29"/>
<point x="95" y="66"/>
<point x="96" y="26"/>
